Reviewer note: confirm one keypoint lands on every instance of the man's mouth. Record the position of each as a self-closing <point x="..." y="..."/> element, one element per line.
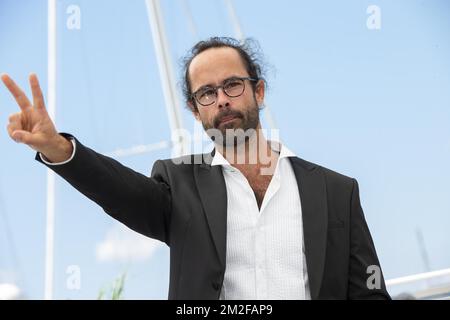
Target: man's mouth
<point x="227" y="119"/>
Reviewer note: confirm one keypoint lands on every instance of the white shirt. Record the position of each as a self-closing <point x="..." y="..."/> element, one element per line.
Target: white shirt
<point x="265" y="256"/>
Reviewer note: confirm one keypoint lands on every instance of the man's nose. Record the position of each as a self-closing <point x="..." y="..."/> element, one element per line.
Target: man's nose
<point x="222" y="99"/>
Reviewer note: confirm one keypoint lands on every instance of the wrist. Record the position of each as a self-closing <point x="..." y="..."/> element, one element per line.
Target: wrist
<point x="60" y="151"/>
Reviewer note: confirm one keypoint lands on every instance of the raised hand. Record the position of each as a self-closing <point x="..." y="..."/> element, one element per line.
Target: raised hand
<point x="32" y="125"/>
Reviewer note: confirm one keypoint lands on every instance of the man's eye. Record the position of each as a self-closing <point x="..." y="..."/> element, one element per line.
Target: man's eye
<point x="206" y="93"/>
<point x="232" y="84"/>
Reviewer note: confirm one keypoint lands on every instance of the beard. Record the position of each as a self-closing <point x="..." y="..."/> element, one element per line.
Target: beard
<point x="236" y="131"/>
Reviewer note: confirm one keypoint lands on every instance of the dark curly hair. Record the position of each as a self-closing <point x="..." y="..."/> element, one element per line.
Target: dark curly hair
<point x="249" y="51"/>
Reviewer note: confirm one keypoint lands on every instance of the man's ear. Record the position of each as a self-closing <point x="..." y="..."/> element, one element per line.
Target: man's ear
<point x="194" y="110"/>
<point x="260" y="91"/>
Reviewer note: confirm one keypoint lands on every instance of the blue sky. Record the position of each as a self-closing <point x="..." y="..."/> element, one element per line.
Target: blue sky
<point x="371" y="104"/>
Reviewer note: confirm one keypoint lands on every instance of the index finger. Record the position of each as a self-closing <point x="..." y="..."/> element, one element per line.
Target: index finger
<point x="15" y="90"/>
<point x="38" y="98"/>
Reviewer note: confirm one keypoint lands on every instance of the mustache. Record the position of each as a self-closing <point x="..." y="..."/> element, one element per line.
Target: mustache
<point x="227" y="113"/>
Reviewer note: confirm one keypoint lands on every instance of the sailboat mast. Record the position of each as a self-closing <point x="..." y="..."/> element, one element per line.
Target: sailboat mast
<point x="51" y="106"/>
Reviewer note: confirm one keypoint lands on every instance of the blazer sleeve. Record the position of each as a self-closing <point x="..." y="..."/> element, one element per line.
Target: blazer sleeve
<point x="142" y="203"/>
<point x="366" y="280"/>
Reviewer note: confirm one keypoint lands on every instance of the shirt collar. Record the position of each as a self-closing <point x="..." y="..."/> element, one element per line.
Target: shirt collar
<point x="285" y="152"/>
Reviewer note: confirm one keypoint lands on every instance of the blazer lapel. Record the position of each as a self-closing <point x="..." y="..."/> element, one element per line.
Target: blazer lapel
<point x="311" y="184"/>
<point x="213" y="195"/>
<point x="313" y="197"/>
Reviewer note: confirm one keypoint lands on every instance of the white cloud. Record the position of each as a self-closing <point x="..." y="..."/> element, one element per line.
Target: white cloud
<point x="9" y="291"/>
<point x="124" y="245"/>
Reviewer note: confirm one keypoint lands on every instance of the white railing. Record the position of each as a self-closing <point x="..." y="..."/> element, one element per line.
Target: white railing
<point x="436" y="287"/>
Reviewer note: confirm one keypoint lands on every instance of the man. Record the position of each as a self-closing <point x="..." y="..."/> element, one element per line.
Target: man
<point x="248" y="221"/>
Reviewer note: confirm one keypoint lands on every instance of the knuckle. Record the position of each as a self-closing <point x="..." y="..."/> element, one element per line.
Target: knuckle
<point x="11" y="127"/>
<point x="14" y="117"/>
<point x="10" y="130"/>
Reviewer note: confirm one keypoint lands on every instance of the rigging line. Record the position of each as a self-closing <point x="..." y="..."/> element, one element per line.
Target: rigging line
<point x="423" y="249"/>
<point x="148" y="148"/>
<point x="234" y="20"/>
<point x="140" y="149"/>
<point x="88" y="85"/>
<point x="239" y="34"/>
<point x="188" y="13"/>
<point x="92" y="103"/>
<point x="165" y="68"/>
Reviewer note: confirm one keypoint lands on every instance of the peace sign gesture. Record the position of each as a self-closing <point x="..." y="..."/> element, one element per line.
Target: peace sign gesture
<point x="32" y="125"/>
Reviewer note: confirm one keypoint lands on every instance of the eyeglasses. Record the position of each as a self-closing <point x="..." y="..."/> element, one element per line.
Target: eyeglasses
<point x="232" y="87"/>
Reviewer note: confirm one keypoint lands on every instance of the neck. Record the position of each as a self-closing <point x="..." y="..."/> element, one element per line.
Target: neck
<point x="254" y="152"/>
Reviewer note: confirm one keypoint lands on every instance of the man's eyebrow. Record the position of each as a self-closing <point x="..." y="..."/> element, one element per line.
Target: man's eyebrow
<point x="211" y="85"/>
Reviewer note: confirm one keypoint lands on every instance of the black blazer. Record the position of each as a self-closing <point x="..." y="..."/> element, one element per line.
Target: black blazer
<point x="185" y="206"/>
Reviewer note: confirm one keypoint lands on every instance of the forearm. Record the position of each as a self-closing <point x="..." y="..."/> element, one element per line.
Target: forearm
<point x="140" y="202"/>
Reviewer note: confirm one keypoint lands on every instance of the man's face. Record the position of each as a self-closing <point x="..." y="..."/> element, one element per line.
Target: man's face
<point x="211" y="68"/>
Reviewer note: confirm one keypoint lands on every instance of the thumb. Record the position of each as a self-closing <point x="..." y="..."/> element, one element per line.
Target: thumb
<point x="22" y="136"/>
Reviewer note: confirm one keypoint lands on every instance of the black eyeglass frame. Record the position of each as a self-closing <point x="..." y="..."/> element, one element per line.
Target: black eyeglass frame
<point x="216" y="89"/>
